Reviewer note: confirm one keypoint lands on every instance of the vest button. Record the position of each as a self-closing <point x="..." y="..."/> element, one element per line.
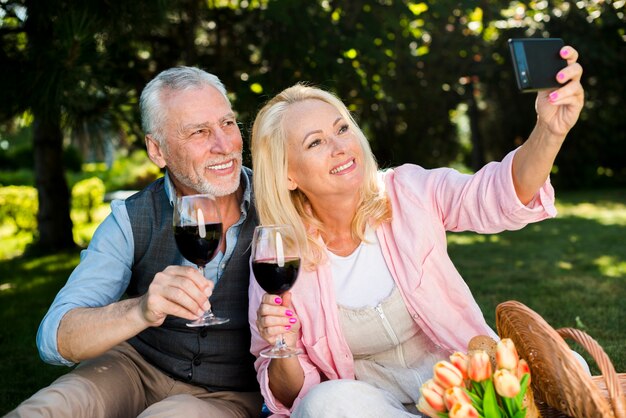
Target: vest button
<point x="197" y="362"/>
<point x="204" y="332"/>
<point x="189" y="376"/>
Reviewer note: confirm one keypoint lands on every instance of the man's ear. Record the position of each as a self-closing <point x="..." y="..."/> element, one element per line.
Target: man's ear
<point x="154" y="151"/>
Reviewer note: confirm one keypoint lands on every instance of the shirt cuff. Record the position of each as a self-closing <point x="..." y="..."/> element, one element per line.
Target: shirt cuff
<point x="47" y="337"/>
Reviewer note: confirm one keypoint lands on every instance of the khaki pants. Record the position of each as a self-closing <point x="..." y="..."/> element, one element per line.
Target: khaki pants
<point x="120" y="383"/>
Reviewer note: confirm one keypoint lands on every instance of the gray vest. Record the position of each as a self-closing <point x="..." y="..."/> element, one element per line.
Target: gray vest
<point x="216" y="357"/>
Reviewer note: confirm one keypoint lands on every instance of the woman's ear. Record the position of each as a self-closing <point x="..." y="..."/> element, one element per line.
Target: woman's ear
<point x="154" y="151"/>
<point x="291" y="184"/>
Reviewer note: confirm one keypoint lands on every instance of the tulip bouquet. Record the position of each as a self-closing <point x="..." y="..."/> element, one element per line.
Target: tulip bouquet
<point x="466" y="387"/>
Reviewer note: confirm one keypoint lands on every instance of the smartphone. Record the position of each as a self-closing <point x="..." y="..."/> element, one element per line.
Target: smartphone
<point x="536" y="62"/>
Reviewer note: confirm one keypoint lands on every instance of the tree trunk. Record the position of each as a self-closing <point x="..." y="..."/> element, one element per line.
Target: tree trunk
<point x="478" y="155"/>
<point x="53" y="217"/>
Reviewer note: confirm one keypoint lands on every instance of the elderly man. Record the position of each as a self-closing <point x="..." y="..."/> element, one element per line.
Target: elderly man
<point x="137" y="356"/>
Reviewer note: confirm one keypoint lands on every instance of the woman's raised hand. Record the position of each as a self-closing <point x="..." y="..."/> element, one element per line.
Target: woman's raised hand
<point x="558" y="110"/>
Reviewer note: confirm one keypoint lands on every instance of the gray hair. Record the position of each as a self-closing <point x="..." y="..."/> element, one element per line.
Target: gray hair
<point x="153" y="114"/>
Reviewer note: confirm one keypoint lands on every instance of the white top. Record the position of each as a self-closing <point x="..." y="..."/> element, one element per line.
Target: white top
<point x="362" y="278"/>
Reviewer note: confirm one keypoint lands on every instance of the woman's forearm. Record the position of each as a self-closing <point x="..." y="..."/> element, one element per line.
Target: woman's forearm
<point x="533" y="162"/>
<point x="286" y="378"/>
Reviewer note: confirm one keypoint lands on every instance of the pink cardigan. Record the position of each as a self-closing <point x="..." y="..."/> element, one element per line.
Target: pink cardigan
<point x="425" y="204"/>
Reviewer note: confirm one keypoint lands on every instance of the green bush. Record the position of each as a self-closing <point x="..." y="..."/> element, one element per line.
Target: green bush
<point x="132" y="173"/>
<point x="21" y="177"/>
<point x="87" y="195"/>
<point x="19" y="204"/>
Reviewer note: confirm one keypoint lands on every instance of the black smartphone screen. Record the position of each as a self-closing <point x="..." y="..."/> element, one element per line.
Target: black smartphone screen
<point x="536" y="62"/>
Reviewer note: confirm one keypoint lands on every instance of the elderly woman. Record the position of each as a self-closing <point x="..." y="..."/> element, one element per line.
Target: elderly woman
<point x="378" y="300"/>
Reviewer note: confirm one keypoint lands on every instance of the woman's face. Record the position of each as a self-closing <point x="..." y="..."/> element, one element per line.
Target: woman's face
<point x="325" y="158"/>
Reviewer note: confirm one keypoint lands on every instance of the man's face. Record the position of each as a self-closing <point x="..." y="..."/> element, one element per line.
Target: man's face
<point x="202" y="142"/>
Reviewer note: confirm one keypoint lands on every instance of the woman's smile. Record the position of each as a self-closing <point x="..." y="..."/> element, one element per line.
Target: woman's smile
<point x="344" y="168"/>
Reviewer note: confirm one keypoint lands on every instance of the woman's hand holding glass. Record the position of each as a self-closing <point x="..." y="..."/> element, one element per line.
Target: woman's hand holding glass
<point x="277" y="319"/>
<point x="276" y="265"/>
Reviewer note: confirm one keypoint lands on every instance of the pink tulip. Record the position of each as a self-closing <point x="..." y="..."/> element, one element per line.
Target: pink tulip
<point x="460" y="361"/>
<point x="479" y="366"/>
<point x="506" y="383"/>
<point x="455" y="395"/>
<point x="433" y="395"/>
<point x="463" y="410"/>
<point x="425" y="408"/>
<point x="506" y="354"/>
<point x="446" y="375"/>
<point x="523" y="368"/>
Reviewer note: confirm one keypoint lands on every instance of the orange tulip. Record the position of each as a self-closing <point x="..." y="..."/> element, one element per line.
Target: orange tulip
<point x="522" y="368"/>
<point x="460" y="361"/>
<point x="479" y="366"/>
<point x="433" y="395"/>
<point x="455" y="395"/>
<point x="446" y="375"/>
<point x="463" y="410"/>
<point x="506" y="355"/>
<point x="425" y="408"/>
<point x="506" y="383"/>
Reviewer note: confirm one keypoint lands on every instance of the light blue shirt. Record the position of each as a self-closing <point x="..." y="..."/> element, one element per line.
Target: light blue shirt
<point x="104" y="271"/>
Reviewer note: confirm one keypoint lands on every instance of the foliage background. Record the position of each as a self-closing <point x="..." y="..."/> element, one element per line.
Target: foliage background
<point x="430" y="82"/>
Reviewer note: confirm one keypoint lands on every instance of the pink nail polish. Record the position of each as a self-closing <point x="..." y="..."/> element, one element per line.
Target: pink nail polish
<point x="564" y="52"/>
<point x="278" y="301"/>
<point x="292" y="320"/>
<point x="560" y="76"/>
<point x="287" y="327"/>
<point x="288" y="312"/>
<point x="553" y="96"/>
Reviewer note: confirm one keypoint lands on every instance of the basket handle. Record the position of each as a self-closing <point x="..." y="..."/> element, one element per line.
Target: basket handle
<point x="604" y="364"/>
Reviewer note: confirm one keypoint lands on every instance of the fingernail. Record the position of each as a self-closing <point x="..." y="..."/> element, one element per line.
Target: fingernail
<point x="287" y="327"/>
<point x="560" y="76"/>
<point x="564" y="52"/>
<point x="292" y="320"/>
<point x="206" y="305"/>
<point x="553" y="96"/>
<point x="200" y="312"/>
<point x="288" y="313"/>
<point x="278" y="301"/>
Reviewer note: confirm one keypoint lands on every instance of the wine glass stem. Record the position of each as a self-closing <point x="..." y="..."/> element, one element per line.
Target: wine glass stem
<point x="280" y="343"/>
<point x="208" y="313"/>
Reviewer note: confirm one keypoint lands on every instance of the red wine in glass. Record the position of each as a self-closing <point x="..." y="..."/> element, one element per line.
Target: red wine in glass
<point x="275" y="265"/>
<point x="198" y="247"/>
<point x="275" y="279"/>
<point x="197" y="232"/>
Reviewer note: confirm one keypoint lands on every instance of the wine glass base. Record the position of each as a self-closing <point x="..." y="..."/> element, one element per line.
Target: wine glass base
<point x="207" y="321"/>
<point x="282" y="352"/>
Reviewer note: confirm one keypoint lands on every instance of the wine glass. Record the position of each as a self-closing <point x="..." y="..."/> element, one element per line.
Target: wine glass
<point x="275" y="264"/>
<point x="198" y="231"/>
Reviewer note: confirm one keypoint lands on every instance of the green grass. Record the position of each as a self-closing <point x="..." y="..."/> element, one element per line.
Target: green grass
<point x="27" y="289"/>
<point x="571" y="270"/>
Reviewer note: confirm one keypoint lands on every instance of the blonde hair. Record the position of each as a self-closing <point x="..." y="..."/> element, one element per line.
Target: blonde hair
<point x="276" y="204"/>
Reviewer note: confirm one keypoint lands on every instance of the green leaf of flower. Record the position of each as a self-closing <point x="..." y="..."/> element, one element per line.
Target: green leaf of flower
<point x="519" y="398"/>
<point x="478" y="389"/>
<point x="477" y="402"/>
<point x="509" y="405"/>
<point x="490" y="402"/>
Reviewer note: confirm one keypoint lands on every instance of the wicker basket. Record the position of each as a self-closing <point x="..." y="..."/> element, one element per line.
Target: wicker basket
<point x="560" y="384"/>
